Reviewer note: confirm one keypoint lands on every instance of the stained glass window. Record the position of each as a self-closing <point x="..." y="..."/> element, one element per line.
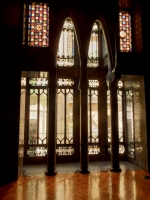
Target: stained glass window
<point x="93" y="47"/>
<point x="38" y="25"/>
<point x="125" y="31"/>
<point x="65" y="55"/>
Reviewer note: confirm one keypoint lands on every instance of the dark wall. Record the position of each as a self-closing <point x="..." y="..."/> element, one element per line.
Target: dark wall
<point x="10" y="90"/>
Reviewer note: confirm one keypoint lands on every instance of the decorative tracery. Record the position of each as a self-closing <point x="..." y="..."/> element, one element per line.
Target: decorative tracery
<point x="65" y="82"/>
<point x="93" y="83"/>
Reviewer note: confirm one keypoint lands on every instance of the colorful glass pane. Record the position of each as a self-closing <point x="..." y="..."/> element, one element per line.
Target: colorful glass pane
<point x="125" y="31"/>
<point x="38" y="25"/>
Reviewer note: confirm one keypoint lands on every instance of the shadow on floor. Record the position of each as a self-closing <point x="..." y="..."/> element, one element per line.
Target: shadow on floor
<point x="100" y="166"/>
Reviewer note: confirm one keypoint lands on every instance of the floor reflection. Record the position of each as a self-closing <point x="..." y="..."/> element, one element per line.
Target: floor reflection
<point x="97" y="185"/>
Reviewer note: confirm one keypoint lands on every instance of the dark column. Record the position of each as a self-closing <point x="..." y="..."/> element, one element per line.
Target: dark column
<point x="51" y="126"/>
<point x="84" y="158"/>
<point x="114" y="127"/>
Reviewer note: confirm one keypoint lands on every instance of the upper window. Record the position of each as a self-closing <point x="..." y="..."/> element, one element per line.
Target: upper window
<point x="65" y="54"/>
<point x="38" y="25"/>
<point x="125" y="31"/>
<point x="93" y="47"/>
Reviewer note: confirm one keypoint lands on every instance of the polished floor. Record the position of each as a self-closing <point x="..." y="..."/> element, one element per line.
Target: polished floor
<point x="132" y="183"/>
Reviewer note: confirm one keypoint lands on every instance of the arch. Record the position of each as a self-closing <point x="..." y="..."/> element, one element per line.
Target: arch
<point x="68" y="43"/>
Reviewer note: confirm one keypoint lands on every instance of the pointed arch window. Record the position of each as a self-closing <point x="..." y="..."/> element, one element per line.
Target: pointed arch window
<point x="125" y="31"/>
<point x="65" y="54"/>
<point x="93" y="47"/>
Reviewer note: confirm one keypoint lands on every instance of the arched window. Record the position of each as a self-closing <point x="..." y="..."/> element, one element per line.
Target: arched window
<point x="65" y="55"/>
<point x="93" y="47"/>
<point x="68" y="111"/>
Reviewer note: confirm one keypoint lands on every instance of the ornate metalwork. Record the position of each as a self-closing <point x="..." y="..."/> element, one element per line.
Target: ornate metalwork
<point x="36" y="151"/>
<point x="38" y="81"/>
<point x="93" y="83"/>
<point x="93" y="149"/>
<point x="121" y="149"/>
<point x="65" y="151"/>
<point x="65" y="82"/>
<point x="93" y="48"/>
<point x="65" y="55"/>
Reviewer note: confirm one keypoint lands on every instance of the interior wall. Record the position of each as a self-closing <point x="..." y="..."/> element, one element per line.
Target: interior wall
<point x="140" y="132"/>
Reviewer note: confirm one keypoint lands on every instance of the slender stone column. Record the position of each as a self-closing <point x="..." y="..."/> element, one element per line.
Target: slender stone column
<point x="84" y="158"/>
<point x="114" y="127"/>
<point x="51" y="126"/>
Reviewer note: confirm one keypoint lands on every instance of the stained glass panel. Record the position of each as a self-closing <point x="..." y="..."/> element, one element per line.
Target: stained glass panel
<point x="125" y="31"/>
<point x="38" y="25"/>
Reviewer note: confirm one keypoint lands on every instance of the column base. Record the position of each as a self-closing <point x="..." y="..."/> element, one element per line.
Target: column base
<point x="115" y="169"/>
<point x="47" y="173"/>
<point x="84" y="171"/>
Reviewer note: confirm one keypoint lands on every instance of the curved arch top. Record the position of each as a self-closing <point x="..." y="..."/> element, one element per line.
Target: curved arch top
<point x="68" y="44"/>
